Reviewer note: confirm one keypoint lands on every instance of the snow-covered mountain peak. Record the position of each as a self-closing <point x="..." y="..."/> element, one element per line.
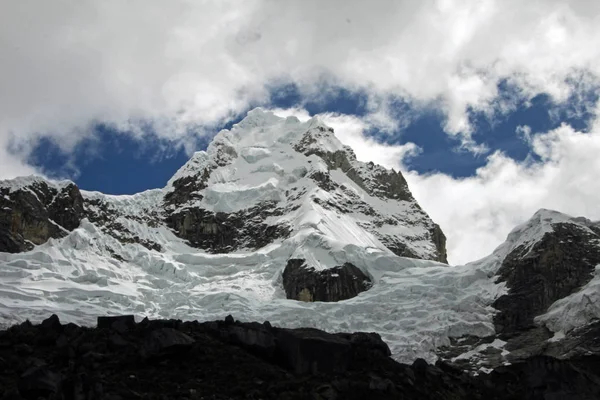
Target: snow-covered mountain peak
<point x="263" y="129"/>
<point x="297" y="176"/>
<point x="544" y="221"/>
<point x="31" y="181"/>
<point x="267" y="194"/>
<point x="524" y="237"/>
<point x="261" y="134"/>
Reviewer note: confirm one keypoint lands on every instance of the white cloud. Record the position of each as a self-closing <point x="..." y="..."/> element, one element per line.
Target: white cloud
<point x="476" y="213"/>
<point x="65" y="65"/>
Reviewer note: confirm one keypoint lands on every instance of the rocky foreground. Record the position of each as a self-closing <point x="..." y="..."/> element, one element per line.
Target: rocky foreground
<point x="171" y="359"/>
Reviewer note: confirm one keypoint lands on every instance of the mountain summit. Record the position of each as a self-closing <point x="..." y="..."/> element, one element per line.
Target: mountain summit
<point x="272" y="179"/>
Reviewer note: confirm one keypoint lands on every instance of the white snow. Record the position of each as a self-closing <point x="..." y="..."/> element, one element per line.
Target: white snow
<point x="24" y="182"/>
<point x="414" y="304"/>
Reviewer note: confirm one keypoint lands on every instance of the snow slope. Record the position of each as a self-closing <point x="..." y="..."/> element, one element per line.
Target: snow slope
<point x="415" y="304"/>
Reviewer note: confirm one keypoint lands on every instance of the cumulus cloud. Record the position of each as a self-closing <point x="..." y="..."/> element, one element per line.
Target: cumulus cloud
<point x="478" y="212"/>
<point x="188" y="64"/>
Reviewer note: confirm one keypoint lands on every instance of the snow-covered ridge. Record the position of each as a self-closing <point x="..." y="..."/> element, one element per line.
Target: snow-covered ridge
<point x="524" y="236"/>
<point x="135" y="204"/>
<point x="25" y="182"/>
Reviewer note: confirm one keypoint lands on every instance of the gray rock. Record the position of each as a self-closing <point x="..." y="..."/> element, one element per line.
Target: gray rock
<point x="555" y="267"/>
<point x="333" y="284"/>
<point x="38" y="381"/>
<point x="32" y="215"/>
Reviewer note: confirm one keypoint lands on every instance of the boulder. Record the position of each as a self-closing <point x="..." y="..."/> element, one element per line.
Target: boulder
<point x="333" y="284"/>
<point x="164" y="342"/>
<point x="121" y="323"/>
<point x="311" y="351"/>
<point x="254" y="337"/>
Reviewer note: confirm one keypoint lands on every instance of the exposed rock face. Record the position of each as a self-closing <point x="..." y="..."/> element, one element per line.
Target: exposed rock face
<point x="376" y="181"/>
<point x="333" y="284"/>
<point x="220" y="232"/>
<point x="35" y="211"/>
<point x="439" y="239"/>
<point x="304" y="350"/>
<point x="546" y="259"/>
<point x="115" y="216"/>
<point x="555" y="267"/>
<point x="382" y="183"/>
<point x="174" y="360"/>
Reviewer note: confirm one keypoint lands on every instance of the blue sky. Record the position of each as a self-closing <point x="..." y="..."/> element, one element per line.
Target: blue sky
<point x="121" y="162"/>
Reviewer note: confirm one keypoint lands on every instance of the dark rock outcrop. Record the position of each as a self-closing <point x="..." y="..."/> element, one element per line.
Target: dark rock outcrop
<point x="302" y="350"/>
<point x="120" y="323"/>
<point x="221" y="232"/>
<point x="559" y="264"/>
<point x="332" y="284"/>
<point x="313" y="351"/>
<point x="37" y="212"/>
<point x="165" y="341"/>
<point x="439" y="239"/>
<point x="220" y="360"/>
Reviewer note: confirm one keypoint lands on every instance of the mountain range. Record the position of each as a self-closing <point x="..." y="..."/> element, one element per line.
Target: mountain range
<point x="277" y="220"/>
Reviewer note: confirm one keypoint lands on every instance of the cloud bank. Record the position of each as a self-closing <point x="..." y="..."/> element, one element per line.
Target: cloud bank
<point x="191" y="64"/>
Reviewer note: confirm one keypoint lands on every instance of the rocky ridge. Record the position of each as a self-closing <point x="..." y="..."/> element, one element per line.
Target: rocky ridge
<point x="172" y="359"/>
<point x="545" y="262"/>
<point x="33" y="210"/>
